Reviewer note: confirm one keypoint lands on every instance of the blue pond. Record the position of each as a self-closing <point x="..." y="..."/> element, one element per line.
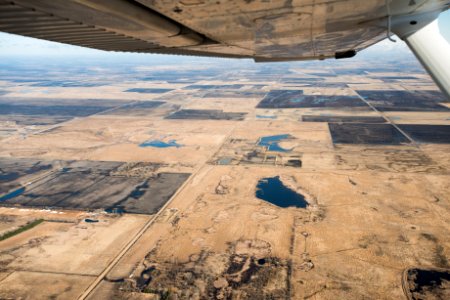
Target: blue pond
<point x="13" y="194"/>
<point x="274" y="191"/>
<point x="91" y="221"/>
<point x="271" y="142"/>
<point x="225" y="161"/>
<point x="161" y="144"/>
<point x="265" y="117"/>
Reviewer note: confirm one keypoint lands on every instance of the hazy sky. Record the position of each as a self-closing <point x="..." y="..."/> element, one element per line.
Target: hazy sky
<point x="18" y="46"/>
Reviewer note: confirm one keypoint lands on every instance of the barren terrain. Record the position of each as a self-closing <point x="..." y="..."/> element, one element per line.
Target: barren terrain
<point x="148" y="186"/>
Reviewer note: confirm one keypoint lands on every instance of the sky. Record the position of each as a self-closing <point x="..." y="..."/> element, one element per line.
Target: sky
<point x="13" y="46"/>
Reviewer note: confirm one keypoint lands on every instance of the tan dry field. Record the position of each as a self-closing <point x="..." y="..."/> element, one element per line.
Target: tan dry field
<point x="105" y="138"/>
<point x="374" y="210"/>
<point x="357" y="240"/>
<point x="430" y="118"/>
<point x="61" y="256"/>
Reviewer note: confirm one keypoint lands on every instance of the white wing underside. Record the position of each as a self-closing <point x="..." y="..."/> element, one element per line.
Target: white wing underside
<point x="265" y="30"/>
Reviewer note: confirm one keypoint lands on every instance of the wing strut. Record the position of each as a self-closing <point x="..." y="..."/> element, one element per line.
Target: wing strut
<point x="433" y="51"/>
<point x="421" y="33"/>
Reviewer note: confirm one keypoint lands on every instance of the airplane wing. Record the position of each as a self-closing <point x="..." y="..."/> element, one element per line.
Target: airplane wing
<point x="265" y="30"/>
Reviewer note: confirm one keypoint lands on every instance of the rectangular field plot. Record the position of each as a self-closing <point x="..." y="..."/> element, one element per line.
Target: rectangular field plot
<point x="148" y="90"/>
<point x="206" y="114"/>
<point x="13" y="171"/>
<point x="393" y="78"/>
<point x="296" y="99"/>
<point x="301" y="80"/>
<point x="405" y="100"/>
<point x="322" y="74"/>
<point x="85" y="185"/>
<point x="141" y="108"/>
<point x="343" y="119"/>
<point x="25" y="120"/>
<point x="60" y="110"/>
<point x="234" y="94"/>
<point x="437" y="134"/>
<point x="313" y="82"/>
<point x="61" y="107"/>
<point x="352" y="133"/>
<point x="62" y="83"/>
<point x="214" y="87"/>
